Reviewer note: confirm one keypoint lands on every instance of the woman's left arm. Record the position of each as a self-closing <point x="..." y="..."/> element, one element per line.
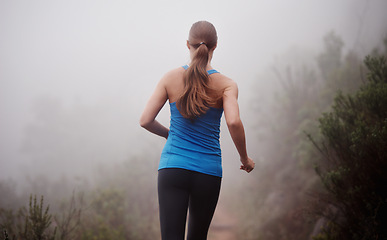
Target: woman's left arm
<point x="152" y="108"/>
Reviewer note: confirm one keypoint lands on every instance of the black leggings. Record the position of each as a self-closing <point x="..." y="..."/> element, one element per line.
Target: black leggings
<point x="179" y="190"/>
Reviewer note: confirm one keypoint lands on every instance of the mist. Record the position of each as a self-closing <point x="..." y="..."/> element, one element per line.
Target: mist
<point x="75" y="75"/>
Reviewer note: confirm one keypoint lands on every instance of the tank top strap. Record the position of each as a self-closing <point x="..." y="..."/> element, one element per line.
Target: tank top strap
<point x="212" y="71"/>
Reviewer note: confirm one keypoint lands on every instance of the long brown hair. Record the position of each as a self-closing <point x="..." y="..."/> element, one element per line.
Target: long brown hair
<point x="197" y="95"/>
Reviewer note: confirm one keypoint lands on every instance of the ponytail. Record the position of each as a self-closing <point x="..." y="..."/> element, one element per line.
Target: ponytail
<point x="197" y="96"/>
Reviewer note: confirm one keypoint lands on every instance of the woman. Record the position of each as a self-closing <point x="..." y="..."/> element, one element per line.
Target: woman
<point x="190" y="167"/>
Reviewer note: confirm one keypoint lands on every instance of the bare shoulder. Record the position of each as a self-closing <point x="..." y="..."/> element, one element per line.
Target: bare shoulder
<point x="173" y="83"/>
<point x="226" y="83"/>
<point x="173" y="74"/>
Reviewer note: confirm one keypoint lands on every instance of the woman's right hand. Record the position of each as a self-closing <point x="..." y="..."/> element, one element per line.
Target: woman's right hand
<point x="247" y="164"/>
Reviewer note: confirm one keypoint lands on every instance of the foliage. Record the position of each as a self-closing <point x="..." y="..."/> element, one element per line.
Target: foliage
<point x="121" y="205"/>
<point x="354" y="149"/>
<point x="287" y="178"/>
<point x="105" y="218"/>
<point x="330" y="60"/>
<point x="36" y="224"/>
<point x="285" y="202"/>
<point x="66" y="144"/>
<point x="11" y="222"/>
<point x="6" y="235"/>
<point x="70" y="218"/>
<point x="132" y="205"/>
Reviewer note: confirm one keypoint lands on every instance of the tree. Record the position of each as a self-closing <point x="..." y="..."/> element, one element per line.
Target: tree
<point x="37" y="222"/>
<point x="355" y="160"/>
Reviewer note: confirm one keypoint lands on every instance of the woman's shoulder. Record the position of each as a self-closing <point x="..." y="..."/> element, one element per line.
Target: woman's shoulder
<point x="173" y="75"/>
<point x="224" y="81"/>
<point x="175" y="72"/>
<point x="173" y="83"/>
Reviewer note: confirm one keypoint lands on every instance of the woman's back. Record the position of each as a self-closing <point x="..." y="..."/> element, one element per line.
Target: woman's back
<point x="174" y="85"/>
<point x="192" y="144"/>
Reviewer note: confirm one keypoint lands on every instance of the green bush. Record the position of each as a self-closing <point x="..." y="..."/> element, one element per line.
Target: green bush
<point x="355" y="160"/>
<point x="34" y="224"/>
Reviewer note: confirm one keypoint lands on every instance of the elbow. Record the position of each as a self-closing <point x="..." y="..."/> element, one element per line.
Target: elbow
<point x="144" y="123"/>
<point x="234" y="123"/>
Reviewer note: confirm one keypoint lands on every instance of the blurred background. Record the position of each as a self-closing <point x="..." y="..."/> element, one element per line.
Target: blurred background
<point x="75" y="76"/>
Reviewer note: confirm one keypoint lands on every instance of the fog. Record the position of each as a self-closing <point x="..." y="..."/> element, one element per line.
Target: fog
<point x="75" y="75"/>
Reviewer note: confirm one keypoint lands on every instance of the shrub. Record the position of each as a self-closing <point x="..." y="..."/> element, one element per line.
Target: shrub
<point x="355" y="160"/>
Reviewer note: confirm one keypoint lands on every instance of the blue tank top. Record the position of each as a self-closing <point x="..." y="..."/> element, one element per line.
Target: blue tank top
<point x="194" y="145"/>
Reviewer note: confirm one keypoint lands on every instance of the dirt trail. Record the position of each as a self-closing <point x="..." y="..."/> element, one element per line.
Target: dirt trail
<point x="223" y="226"/>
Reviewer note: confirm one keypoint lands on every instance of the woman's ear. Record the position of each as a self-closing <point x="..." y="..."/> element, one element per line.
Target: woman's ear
<point x="189" y="46"/>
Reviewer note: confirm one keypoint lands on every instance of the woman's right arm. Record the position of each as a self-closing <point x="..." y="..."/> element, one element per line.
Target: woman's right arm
<point x="151" y="110"/>
<point x="235" y="125"/>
